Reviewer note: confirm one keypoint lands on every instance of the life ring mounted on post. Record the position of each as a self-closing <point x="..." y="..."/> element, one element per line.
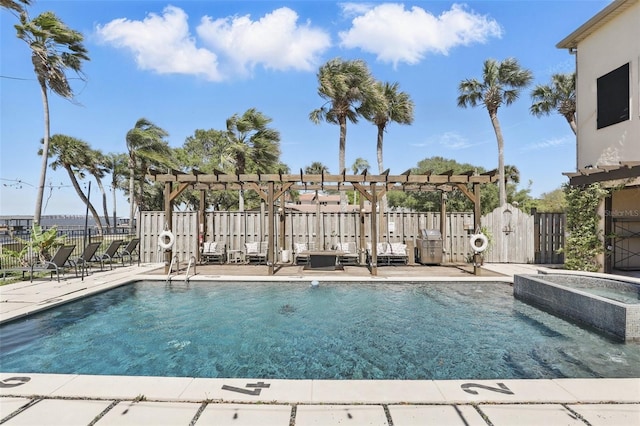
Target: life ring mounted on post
<point x="166" y="240"/>
<point x="484" y="242"/>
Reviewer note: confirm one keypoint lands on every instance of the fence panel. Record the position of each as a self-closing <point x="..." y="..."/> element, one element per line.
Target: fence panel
<point x="549" y="230"/>
<point x="327" y="229"/>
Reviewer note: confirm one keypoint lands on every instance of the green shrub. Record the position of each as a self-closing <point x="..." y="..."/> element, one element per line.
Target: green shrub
<point x="584" y="238"/>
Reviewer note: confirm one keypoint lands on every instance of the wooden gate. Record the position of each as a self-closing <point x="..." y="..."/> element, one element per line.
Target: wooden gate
<point x="511" y="235"/>
<point x="548" y="231"/>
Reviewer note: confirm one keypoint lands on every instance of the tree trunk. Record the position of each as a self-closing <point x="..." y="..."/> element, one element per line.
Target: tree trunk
<point x="113" y="195"/>
<point x="45" y="154"/>
<point x="341" y="161"/>
<point x="502" y="198"/>
<point x="132" y="191"/>
<point x="105" y="210"/>
<point x="383" y="201"/>
<point x="574" y="126"/>
<point x="84" y="199"/>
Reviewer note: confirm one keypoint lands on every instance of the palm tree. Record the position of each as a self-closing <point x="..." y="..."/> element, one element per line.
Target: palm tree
<point x="145" y="142"/>
<point x="73" y="155"/>
<point x="501" y="84"/>
<point x="252" y="145"/>
<point x="345" y="85"/>
<point x="559" y="96"/>
<point x="358" y="166"/>
<point x="390" y="105"/>
<point x="55" y="48"/>
<point x="16" y="6"/>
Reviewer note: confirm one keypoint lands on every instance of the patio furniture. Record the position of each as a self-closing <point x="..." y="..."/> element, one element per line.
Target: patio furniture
<point x="84" y="260"/>
<point x="110" y="253"/>
<point x="214" y="251"/>
<point x="349" y="254"/>
<point x="389" y="253"/>
<point x="56" y="264"/>
<point x="326" y="260"/>
<point x="256" y="252"/>
<point x="129" y="250"/>
<point x="301" y="252"/>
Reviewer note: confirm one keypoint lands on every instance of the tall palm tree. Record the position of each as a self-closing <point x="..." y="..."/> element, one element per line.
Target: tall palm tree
<point x="390" y="105"/>
<point x="55" y="48"/>
<point x="345" y="85"/>
<point x="559" y="96"/>
<point x="358" y="166"/>
<point x="145" y="142"/>
<point x="501" y="84"/>
<point x="252" y="145"/>
<point x="73" y="155"/>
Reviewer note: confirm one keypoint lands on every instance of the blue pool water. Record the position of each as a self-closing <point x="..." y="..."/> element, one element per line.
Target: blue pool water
<point x="293" y="331"/>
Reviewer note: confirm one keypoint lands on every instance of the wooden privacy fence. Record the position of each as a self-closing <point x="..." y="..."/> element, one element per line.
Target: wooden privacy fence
<point x="516" y="237"/>
<point x="236" y="228"/>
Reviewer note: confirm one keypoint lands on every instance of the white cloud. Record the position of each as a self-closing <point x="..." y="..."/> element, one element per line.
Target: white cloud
<point x="396" y="35"/>
<point x="549" y="143"/>
<point x="354" y="9"/>
<point x="162" y="43"/>
<point x="453" y="140"/>
<point x="275" y="41"/>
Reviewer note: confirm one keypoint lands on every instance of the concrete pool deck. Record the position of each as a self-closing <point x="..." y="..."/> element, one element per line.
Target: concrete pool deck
<point x="60" y="399"/>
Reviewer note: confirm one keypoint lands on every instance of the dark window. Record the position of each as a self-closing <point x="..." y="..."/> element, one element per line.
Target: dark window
<point x="613" y="97"/>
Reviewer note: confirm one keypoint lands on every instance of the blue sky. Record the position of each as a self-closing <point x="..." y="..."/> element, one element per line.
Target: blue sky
<point x="188" y="65"/>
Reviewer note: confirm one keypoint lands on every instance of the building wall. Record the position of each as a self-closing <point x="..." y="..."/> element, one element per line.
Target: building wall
<point x="613" y="45"/>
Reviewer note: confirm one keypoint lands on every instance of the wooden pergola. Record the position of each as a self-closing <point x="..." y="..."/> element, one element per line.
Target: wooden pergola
<point x="272" y="187"/>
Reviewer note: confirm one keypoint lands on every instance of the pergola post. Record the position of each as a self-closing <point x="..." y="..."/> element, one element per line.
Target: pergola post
<point x="283" y="224"/>
<point x="362" y="255"/>
<point x="168" y="220"/>
<point x="271" y="227"/>
<point x="374" y="229"/>
<point x="443" y="217"/>
<point x="202" y="224"/>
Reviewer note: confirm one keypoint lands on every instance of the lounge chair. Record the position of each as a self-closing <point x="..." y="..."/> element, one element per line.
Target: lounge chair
<point x="129" y="250"/>
<point x="214" y="251"/>
<point x="255" y="252"/>
<point x="110" y="253"/>
<point x="389" y="253"/>
<point x="56" y="264"/>
<point x="301" y="252"/>
<point x="84" y="260"/>
<point x="349" y="254"/>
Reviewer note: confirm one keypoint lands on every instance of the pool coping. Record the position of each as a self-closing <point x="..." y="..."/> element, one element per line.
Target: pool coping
<point x="281" y="391"/>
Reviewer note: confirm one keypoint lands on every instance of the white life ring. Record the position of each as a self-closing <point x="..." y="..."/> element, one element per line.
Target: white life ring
<point x="484" y="242"/>
<point x="166" y="245"/>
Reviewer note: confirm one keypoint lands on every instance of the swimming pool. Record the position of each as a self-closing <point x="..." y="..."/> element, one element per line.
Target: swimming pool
<point x="292" y="331"/>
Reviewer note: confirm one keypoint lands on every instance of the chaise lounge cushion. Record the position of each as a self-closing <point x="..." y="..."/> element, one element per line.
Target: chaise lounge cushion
<point x="398" y="249"/>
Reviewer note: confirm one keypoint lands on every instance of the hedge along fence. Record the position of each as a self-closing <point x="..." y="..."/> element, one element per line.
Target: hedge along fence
<point x="326" y="229"/>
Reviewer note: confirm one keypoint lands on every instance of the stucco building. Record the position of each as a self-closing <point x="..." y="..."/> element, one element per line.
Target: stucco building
<point x="607" y="52"/>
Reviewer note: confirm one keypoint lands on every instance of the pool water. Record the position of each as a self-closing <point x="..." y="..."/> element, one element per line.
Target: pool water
<point x="293" y="331"/>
